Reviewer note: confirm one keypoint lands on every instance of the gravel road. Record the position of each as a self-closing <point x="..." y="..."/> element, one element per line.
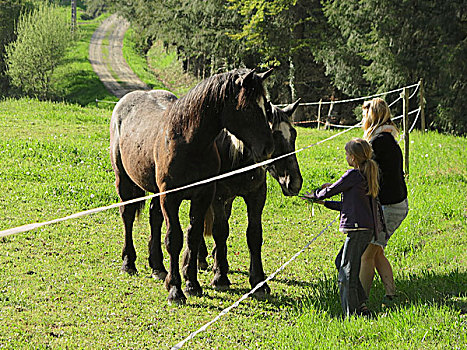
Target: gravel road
<point x="112" y="69"/>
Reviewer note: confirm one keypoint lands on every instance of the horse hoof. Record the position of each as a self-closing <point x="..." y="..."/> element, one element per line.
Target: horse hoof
<point x="129" y="266"/>
<point x="159" y="275"/>
<point x="129" y="270"/>
<point x="193" y="289"/>
<point x="221" y="283"/>
<point x="176" y="296"/>
<point x="263" y="291"/>
<point x="202" y="265"/>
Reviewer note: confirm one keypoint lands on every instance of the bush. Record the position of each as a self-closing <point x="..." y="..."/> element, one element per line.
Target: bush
<point x="43" y="36"/>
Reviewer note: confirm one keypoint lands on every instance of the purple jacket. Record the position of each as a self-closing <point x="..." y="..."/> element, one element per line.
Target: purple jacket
<point x="358" y="210"/>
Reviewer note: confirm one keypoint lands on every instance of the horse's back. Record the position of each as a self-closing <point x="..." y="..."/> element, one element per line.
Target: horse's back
<point x="141" y="104"/>
<point x="136" y="120"/>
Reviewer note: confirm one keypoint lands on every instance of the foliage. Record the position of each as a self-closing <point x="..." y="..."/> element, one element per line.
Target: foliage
<point x="9" y="13"/>
<point x="43" y="35"/>
<point x="95" y="8"/>
<point x="61" y="284"/>
<point x="382" y="44"/>
<point x="213" y="35"/>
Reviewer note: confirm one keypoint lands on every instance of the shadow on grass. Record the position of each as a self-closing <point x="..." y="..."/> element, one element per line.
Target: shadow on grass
<point x="84" y="87"/>
<point x="428" y="288"/>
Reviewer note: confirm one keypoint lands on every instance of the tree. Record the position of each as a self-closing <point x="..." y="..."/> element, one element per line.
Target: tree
<point x="284" y="34"/>
<point x="384" y="44"/>
<point x="43" y="35"/>
<point x="9" y="13"/>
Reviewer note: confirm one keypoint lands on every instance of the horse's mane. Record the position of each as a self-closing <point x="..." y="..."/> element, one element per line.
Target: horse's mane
<point x="237" y="147"/>
<point x="212" y="94"/>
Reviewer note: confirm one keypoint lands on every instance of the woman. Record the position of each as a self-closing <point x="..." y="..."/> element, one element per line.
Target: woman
<point x="381" y="132"/>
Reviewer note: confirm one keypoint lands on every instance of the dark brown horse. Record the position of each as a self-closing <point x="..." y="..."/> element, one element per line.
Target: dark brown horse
<point x="159" y="142"/>
<point x="251" y="186"/>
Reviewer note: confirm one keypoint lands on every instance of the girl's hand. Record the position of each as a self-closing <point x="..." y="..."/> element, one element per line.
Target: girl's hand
<point x="308" y="196"/>
<point x="311" y="197"/>
<point x="327" y="184"/>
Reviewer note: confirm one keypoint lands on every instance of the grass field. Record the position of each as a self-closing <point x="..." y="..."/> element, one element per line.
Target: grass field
<point x="61" y="286"/>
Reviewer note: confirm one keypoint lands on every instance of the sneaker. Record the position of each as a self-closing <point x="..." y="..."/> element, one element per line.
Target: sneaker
<point x="364" y="311"/>
<point x="389" y="300"/>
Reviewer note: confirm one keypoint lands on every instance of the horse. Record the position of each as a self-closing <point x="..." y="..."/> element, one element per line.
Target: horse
<point x="251" y="186"/>
<point x="159" y="143"/>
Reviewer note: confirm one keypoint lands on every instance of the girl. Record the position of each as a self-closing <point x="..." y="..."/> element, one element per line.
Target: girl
<point x="359" y="220"/>
<point x="381" y="133"/>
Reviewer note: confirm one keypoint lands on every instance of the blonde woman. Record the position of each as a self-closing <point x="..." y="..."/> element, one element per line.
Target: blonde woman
<point x="381" y="133"/>
<point x="358" y="220"/>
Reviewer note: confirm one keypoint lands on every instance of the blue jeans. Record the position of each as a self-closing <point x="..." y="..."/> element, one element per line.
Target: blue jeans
<point x="351" y="290"/>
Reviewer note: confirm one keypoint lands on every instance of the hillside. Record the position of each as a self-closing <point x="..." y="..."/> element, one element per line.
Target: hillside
<point x="61" y="285"/>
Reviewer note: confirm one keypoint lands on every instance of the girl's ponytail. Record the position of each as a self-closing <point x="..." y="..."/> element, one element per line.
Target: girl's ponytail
<point x="370" y="169"/>
<point x="363" y="153"/>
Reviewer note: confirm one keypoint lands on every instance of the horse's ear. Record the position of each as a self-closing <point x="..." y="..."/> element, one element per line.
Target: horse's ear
<point x="290" y="109"/>
<point x="246" y="78"/>
<point x="266" y="74"/>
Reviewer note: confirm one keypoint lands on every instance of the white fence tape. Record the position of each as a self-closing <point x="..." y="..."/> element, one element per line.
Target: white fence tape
<point x="29" y="227"/>
<point x="259" y="285"/>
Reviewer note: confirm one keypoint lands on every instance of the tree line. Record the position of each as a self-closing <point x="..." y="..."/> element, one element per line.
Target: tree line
<point x="320" y="49"/>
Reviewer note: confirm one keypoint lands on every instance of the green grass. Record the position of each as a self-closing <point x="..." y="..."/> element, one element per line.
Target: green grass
<point x="168" y="69"/>
<point x="139" y="63"/>
<point x="61" y="286"/>
<point x="160" y="69"/>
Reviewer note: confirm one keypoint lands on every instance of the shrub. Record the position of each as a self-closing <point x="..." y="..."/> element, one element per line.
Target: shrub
<point x="43" y="36"/>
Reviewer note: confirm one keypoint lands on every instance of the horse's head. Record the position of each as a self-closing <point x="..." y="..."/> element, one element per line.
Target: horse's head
<point x="285" y="170"/>
<point x="245" y="116"/>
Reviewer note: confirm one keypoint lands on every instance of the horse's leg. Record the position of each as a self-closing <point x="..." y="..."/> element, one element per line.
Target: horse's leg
<point x="173" y="242"/>
<point x="202" y="254"/>
<point x="155" y="251"/>
<point x="203" y="250"/>
<point x="126" y="190"/>
<point x="198" y="208"/>
<point x="255" y="203"/>
<point x="220" y="234"/>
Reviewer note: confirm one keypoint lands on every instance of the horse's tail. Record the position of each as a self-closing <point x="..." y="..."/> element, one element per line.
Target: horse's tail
<point x="208" y="222"/>
<point x="139" y="208"/>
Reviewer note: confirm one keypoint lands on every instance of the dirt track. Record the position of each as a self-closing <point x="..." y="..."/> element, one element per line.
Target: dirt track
<point x="112" y="69"/>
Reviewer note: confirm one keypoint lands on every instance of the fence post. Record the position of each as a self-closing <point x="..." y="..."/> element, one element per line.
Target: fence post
<point x="319" y="113"/>
<point x="422" y="106"/>
<point x="405" y="113"/>
<point x="73" y="16"/>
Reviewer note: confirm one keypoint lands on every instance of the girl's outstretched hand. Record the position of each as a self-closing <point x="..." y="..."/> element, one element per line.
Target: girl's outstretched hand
<point x="311" y="197"/>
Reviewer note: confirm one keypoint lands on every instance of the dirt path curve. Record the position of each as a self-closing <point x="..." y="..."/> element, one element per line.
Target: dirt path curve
<point x="112" y="68"/>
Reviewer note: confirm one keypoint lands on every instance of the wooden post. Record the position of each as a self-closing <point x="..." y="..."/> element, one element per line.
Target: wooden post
<point x="319" y="113"/>
<point x="331" y="107"/>
<point x="405" y="113"/>
<point x="73" y="16"/>
<point x="422" y="106"/>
